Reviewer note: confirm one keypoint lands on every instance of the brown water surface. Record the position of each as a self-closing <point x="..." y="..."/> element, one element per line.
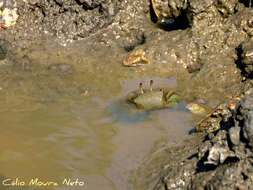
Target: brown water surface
<point x="61" y="124"/>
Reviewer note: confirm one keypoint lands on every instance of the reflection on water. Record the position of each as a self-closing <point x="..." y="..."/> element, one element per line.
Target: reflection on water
<point x="51" y="131"/>
<point x="124" y="113"/>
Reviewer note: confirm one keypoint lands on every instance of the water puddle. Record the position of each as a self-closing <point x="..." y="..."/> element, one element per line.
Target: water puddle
<point x="72" y="123"/>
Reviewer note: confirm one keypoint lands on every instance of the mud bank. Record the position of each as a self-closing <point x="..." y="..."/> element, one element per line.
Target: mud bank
<point x="222" y="160"/>
<point x="206" y="52"/>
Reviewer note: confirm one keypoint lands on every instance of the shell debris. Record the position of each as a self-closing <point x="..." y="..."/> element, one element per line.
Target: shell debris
<point x="8" y="15"/>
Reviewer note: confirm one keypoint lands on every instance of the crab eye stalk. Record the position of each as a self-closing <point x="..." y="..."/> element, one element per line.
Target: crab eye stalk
<point x="141" y="89"/>
<point x="150" y="85"/>
<point x="153" y="12"/>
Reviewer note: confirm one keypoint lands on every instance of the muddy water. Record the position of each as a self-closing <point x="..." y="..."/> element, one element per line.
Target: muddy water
<point x="61" y="122"/>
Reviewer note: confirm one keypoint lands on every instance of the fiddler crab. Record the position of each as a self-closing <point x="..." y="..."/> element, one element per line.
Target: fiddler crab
<point x="149" y="99"/>
<point x="136" y="58"/>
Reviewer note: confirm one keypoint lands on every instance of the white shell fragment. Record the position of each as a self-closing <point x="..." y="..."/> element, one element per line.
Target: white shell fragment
<point x="9" y="16"/>
<point x="217" y="155"/>
<point x="8" y="13"/>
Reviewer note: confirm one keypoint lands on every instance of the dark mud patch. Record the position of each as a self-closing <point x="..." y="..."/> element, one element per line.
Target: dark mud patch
<point x="180" y="23"/>
<point x="68" y="20"/>
<point x="174" y="162"/>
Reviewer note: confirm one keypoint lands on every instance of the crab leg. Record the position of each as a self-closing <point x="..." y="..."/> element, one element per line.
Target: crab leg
<point x="151" y="84"/>
<point x="209" y="115"/>
<point x="145" y="60"/>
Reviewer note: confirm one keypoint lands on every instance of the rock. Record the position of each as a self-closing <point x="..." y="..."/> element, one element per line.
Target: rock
<point x="247" y="56"/>
<point x="248" y="127"/>
<point x="219" y="151"/>
<point x="246" y="104"/>
<point x="234" y="135"/>
<point x="169" y="10"/>
<point x="236" y="176"/>
<point x="244" y="115"/>
<point x="218" y="154"/>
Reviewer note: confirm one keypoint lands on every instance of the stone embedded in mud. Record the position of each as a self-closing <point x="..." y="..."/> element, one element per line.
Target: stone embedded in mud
<point x="234" y="135"/>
